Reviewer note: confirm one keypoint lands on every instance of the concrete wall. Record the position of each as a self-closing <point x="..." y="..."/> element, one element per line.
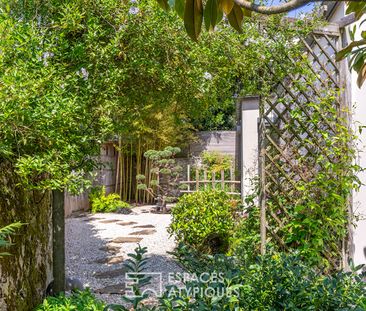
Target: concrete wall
<point x="25" y="274"/>
<point x="358" y="102"/>
<point x="221" y="141"/>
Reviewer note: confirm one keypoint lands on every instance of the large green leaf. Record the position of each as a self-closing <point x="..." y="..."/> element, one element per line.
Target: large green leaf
<point x="226" y="6"/>
<point x="345" y="52"/>
<point x="357" y="7"/>
<point x="179" y="8"/>
<point x="236" y="17"/>
<point x="193" y="15"/>
<point x="361" y="75"/>
<point x="212" y="14"/>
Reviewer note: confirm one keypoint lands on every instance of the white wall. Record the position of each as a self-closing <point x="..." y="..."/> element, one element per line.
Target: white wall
<point x="358" y="100"/>
<point x="359" y="200"/>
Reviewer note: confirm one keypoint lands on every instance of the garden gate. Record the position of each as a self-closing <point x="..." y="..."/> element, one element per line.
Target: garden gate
<point x="288" y="135"/>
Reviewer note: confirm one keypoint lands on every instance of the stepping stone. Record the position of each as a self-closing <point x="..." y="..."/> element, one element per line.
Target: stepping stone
<point x="109" y="260"/>
<point x="108" y="221"/>
<point x="110" y="274"/>
<point x="126" y="223"/>
<point x="110" y="249"/>
<point x="143" y="232"/>
<point x="118" y="289"/>
<point x="144" y="226"/>
<point x="129" y="239"/>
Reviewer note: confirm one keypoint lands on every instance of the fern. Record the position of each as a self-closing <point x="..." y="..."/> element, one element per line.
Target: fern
<point x="5" y="232"/>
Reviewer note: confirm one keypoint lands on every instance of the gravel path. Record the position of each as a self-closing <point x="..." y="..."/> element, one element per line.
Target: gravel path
<point x="97" y="245"/>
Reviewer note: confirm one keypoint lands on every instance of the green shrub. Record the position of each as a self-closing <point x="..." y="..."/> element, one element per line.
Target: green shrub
<point x="204" y="220"/>
<point x="271" y="282"/>
<point x="80" y="301"/>
<point x="102" y="203"/>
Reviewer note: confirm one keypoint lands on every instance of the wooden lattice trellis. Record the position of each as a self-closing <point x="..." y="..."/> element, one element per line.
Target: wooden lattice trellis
<point x="280" y="144"/>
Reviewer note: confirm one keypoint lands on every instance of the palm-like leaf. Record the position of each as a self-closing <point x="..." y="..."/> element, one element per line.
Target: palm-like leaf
<point x="5" y="232"/>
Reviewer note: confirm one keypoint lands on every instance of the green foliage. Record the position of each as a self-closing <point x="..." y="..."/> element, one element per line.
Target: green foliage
<point x="204" y="220"/>
<point x="103" y="203"/>
<point x="80" y="301"/>
<point x="216" y="161"/>
<point x="356" y="50"/>
<point x="316" y="215"/>
<point x="194" y="12"/>
<point x="135" y="265"/>
<point x="75" y="73"/>
<point x="5" y="233"/>
<point x="272" y="282"/>
<point x="245" y="242"/>
<point x="165" y="181"/>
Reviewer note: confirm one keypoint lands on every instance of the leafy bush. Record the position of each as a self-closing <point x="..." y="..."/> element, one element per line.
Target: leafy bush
<point x="204" y="220"/>
<point x="102" y="203"/>
<point x="271" y="282"/>
<point x="216" y="161"/>
<point x="80" y="301"/>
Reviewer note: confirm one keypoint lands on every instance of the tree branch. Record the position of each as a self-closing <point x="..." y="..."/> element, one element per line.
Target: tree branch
<point x="275" y="9"/>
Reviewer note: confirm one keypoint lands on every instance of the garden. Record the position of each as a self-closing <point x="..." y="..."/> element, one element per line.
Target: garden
<point x="106" y="102"/>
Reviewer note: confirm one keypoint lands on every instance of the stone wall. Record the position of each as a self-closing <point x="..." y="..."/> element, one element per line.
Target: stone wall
<point x="25" y="274"/>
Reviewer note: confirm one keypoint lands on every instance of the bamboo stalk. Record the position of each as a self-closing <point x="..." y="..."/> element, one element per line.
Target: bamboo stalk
<point x="116" y="180"/>
<point x="205" y="178"/>
<point x="138" y="167"/>
<point x="189" y="176"/>
<point x="232" y="186"/>
<point x="130" y="181"/>
<point x="197" y="179"/>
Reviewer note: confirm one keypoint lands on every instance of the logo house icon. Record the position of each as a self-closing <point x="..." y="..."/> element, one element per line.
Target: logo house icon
<point x="150" y="283"/>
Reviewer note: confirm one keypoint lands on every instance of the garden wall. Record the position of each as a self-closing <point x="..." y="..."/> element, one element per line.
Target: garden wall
<point x="106" y="176"/>
<point x="227" y="142"/>
<point x="25" y="274"/>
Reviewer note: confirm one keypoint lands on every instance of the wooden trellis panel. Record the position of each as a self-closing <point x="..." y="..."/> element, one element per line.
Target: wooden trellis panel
<point x="280" y="145"/>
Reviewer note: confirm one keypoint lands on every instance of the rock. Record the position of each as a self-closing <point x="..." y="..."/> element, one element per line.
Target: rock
<point x="144" y="226"/>
<point x="118" y="289"/>
<point x="74" y="284"/>
<point x="126" y="223"/>
<point x="109" y="260"/>
<point x="71" y="284"/>
<point x="143" y="232"/>
<point x="108" y="221"/>
<point x="110" y="274"/>
<point x="110" y="249"/>
<point x="124" y="211"/>
<point x="127" y="240"/>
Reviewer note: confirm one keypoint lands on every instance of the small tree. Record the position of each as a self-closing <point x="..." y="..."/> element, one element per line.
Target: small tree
<point x="164" y="184"/>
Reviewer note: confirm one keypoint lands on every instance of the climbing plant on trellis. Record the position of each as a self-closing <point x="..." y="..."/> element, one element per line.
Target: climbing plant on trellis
<point x="306" y="158"/>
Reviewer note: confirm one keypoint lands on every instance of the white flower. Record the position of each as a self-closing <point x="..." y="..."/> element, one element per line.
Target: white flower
<point x="207" y="75"/>
<point x="83" y="73"/>
<point x="133" y="1"/>
<point x="45" y="56"/>
<point x="133" y="10"/>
